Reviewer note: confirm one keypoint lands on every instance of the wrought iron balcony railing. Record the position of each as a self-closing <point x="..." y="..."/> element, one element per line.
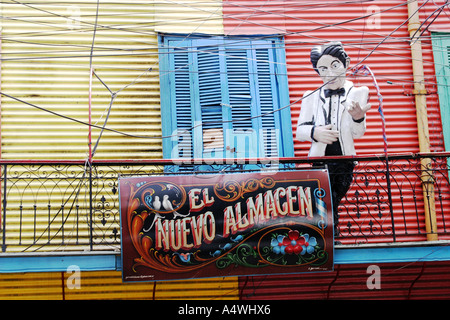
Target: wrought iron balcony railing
<point x="55" y="206"/>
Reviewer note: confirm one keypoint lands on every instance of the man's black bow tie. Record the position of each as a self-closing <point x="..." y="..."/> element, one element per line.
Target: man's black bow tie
<point x="329" y="92"/>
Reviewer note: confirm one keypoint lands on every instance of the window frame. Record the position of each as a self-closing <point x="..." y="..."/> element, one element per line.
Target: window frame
<point x="278" y="86"/>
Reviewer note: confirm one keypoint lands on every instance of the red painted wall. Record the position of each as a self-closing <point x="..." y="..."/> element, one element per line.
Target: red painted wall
<point x="397" y="281"/>
<point x="375" y="34"/>
<point x="379" y="41"/>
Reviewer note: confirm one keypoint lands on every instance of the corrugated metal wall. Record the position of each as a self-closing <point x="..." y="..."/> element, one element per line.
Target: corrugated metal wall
<point x="420" y="280"/>
<point x="375" y="34"/>
<point x="188" y="16"/>
<point x="46" y="62"/>
<point x="381" y="40"/>
<point x="255" y="17"/>
<point x="309" y="24"/>
<point x="46" y="51"/>
<point x="101" y="285"/>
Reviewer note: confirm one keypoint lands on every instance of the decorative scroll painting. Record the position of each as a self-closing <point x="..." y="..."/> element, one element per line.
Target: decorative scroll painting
<point x="196" y="226"/>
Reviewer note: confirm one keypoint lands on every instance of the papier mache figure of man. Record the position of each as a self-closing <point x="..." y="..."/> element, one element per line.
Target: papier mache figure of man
<point x="332" y="116"/>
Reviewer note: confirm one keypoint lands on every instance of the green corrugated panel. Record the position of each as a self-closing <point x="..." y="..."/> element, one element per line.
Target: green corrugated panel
<point x="441" y="52"/>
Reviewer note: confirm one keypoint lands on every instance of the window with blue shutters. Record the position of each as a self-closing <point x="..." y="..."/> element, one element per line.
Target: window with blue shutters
<point x="224" y="98"/>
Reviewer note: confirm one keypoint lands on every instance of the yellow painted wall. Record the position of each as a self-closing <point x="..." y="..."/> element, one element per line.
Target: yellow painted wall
<point x="189" y="16"/>
<point x="45" y="52"/>
<point x="46" y="58"/>
<point x="101" y="285"/>
<point x="46" y="62"/>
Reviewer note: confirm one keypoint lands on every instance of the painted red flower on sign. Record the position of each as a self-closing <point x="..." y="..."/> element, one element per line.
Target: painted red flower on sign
<point x="294" y="243"/>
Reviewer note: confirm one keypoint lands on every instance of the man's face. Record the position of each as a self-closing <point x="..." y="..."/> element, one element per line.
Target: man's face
<point x="332" y="72"/>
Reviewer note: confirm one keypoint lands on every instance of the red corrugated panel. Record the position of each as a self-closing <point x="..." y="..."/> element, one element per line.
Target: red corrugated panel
<point x="305" y="24"/>
<point x="436" y="20"/>
<point x="391" y="61"/>
<point x="400" y="281"/>
<point x="380" y="41"/>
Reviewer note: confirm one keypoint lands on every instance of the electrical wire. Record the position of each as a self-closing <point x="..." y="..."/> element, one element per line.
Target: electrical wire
<point x="265" y="12"/>
<point x="94" y="48"/>
<point x="141" y="49"/>
<point x="113" y="95"/>
<point x="134" y="49"/>
<point x="92" y="55"/>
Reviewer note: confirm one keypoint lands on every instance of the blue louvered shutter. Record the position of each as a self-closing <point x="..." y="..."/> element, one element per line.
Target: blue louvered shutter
<point x="226" y="99"/>
<point x="242" y="132"/>
<point x="210" y="80"/>
<point x="265" y="81"/>
<point x="181" y="97"/>
<point x="254" y="97"/>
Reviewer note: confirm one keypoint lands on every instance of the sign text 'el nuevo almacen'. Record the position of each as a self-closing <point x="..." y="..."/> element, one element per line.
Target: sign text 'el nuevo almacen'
<point x="181" y="227"/>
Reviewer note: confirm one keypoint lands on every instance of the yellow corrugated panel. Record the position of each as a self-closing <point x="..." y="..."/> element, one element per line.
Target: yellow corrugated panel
<point x="108" y="285"/>
<point x="189" y="16"/>
<point x="31" y="286"/>
<point x="45" y="50"/>
<point x="48" y="207"/>
<point x="46" y="62"/>
<point x="36" y="219"/>
<point x="45" y="53"/>
<point x="214" y="288"/>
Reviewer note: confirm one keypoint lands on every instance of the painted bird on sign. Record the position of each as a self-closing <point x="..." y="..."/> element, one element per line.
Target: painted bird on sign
<point x="170" y="203"/>
<point x="167" y="205"/>
<point x="157" y="203"/>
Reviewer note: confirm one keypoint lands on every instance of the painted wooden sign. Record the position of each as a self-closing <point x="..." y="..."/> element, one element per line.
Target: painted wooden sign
<point x="196" y="226"/>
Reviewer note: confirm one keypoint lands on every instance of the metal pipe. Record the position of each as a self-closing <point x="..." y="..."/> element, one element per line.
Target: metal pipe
<point x="4" y="207"/>
<point x="1" y="35"/>
<point x="91" y="71"/>
<point x="422" y="120"/>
